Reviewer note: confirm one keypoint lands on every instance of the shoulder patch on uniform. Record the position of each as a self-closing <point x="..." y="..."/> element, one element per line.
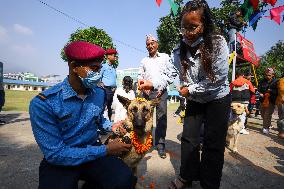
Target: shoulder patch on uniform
<point x="41" y="96"/>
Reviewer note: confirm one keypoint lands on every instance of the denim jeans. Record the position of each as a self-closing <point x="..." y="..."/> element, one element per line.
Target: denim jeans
<point x="232" y="32"/>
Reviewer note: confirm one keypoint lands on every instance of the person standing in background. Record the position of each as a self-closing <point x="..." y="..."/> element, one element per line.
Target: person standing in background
<point x="268" y="93"/>
<point x="2" y="92"/>
<point x="108" y="82"/>
<point x="155" y="74"/>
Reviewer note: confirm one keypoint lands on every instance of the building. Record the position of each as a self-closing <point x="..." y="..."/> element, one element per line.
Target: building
<point x="52" y="79"/>
<point x="132" y="72"/>
<point x="10" y="84"/>
<point x="27" y="76"/>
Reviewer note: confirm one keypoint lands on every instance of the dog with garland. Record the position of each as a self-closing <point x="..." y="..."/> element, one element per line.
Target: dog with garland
<point x="138" y="124"/>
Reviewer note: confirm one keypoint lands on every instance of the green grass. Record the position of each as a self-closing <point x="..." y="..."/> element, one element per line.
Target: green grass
<point x="18" y="100"/>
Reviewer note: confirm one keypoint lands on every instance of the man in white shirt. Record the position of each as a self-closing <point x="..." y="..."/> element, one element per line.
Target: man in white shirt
<point x="157" y="71"/>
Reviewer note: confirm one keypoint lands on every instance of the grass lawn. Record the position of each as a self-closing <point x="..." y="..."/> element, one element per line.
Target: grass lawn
<point x="18" y="100"/>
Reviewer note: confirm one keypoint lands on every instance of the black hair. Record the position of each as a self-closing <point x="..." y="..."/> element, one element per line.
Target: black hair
<point x="127" y="83"/>
<point x="239" y="73"/>
<point x="206" y="47"/>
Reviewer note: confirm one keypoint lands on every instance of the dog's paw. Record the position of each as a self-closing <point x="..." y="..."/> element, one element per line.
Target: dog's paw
<point x="235" y="150"/>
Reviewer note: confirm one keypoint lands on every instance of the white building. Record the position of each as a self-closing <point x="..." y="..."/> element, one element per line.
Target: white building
<point x="10" y="84"/>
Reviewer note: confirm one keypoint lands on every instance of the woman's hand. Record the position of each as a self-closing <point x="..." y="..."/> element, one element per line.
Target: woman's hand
<point x="118" y="129"/>
<point x="183" y="91"/>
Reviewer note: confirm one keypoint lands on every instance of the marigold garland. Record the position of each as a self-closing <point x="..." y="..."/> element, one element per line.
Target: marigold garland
<point x="141" y="148"/>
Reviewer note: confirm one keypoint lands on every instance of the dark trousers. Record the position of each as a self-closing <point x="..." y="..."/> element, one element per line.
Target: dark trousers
<point x="208" y="169"/>
<point x="109" y="99"/>
<point x="181" y="105"/>
<point x="161" y="117"/>
<point x="103" y="173"/>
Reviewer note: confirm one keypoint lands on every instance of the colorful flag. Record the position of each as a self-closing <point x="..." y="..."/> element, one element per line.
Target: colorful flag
<point x="271" y="2"/>
<point x="257" y="15"/>
<point x="158" y="2"/>
<point x="254" y="3"/>
<point x="275" y="14"/>
<point x="248" y="50"/>
<point x="174" y="6"/>
<point x="247" y="10"/>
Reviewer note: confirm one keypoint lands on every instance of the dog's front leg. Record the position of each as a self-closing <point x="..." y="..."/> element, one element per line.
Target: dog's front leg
<point x="236" y="136"/>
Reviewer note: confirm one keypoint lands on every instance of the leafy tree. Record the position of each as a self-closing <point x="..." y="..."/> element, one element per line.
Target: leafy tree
<point x="168" y="30"/>
<point x="91" y="35"/>
<point x="273" y="58"/>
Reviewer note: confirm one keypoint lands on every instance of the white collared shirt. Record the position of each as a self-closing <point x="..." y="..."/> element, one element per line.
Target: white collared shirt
<point x="159" y="70"/>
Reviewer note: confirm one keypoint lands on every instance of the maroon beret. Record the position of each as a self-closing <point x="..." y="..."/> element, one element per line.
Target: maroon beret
<point x="111" y="51"/>
<point x="83" y="51"/>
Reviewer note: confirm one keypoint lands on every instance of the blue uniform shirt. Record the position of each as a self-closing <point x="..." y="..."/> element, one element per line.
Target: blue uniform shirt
<point x="65" y="126"/>
<point x="108" y="75"/>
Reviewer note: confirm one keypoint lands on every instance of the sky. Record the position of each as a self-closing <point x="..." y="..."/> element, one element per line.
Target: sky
<point x="32" y="35"/>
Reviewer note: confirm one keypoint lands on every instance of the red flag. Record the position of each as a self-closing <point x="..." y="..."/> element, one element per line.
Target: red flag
<point x="254" y="3"/>
<point x="275" y="14"/>
<point x="248" y="50"/>
<point x="158" y="2"/>
<point x="272" y="2"/>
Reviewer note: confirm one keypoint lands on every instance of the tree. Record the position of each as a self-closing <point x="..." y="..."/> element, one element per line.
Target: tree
<point x="273" y="58"/>
<point x="168" y="30"/>
<point x="91" y="35"/>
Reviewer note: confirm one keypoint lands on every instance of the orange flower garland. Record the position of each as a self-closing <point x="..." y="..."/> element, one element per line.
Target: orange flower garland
<point x="141" y="148"/>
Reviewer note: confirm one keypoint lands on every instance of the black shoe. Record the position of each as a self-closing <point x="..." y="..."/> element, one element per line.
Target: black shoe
<point x="2" y="122"/>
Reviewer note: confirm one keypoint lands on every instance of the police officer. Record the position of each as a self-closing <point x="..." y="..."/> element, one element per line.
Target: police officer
<point x="108" y="72"/>
<point x="65" y="119"/>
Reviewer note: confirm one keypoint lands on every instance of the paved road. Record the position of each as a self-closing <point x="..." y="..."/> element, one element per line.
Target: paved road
<point x="259" y="164"/>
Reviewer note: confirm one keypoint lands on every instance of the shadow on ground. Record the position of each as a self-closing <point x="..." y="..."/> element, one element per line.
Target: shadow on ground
<point x="19" y="164"/>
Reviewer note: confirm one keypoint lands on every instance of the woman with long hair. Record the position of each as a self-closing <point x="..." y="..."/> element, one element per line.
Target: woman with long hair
<point x="202" y="61"/>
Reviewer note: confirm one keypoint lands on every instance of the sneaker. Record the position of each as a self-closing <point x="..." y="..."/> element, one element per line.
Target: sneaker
<point x="175" y="115"/>
<point x="244" y="132"/>
<point x="265" y="131"/>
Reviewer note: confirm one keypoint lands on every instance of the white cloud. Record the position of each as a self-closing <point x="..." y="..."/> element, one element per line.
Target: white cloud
<point x="22" y="29"/>
<point x="24" y="50"/>
<point x="3" y="34"/>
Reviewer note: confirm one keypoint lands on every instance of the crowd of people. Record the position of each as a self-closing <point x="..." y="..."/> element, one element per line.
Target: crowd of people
<point x="66" y="118"/>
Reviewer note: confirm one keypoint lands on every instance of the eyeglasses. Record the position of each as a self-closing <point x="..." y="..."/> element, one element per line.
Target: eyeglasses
<point x="190" y="30"/>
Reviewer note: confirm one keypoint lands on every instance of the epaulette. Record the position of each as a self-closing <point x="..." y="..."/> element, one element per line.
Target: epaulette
<point x="41" y="96"/>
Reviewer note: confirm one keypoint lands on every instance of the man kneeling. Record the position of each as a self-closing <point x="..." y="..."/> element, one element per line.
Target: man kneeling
<point x="65" y="119"/>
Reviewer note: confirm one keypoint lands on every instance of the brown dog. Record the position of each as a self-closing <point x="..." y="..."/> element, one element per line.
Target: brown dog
<point x="139" y="124"/>
<point x="235" y="126"/>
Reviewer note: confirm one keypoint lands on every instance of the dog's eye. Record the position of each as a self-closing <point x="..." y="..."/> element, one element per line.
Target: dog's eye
<point x="145" y="110"/>
<point x="134" y="109"/>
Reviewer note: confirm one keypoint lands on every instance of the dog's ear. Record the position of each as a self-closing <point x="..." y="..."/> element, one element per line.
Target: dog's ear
<point x="124" y="101"/>
<point x="154" y="102"/>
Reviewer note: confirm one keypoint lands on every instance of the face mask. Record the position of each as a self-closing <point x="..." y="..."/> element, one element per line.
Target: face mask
<point x="92" y="79"/>
<point x="195" y="43"/>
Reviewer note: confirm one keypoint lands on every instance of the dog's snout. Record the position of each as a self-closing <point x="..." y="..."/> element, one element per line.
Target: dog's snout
<point x="139" y="122"/>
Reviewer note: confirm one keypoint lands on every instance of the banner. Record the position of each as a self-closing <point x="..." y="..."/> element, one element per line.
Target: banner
<point x="271" y="2"/>
<point x="248" y="50"/>
<point x="158" y="2"/>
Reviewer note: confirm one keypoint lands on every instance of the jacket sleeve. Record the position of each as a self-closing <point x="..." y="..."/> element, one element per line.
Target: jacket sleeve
<point x="168" y="75"/>
<point x="47" y="134"/>
<point x="220" y="68"/>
